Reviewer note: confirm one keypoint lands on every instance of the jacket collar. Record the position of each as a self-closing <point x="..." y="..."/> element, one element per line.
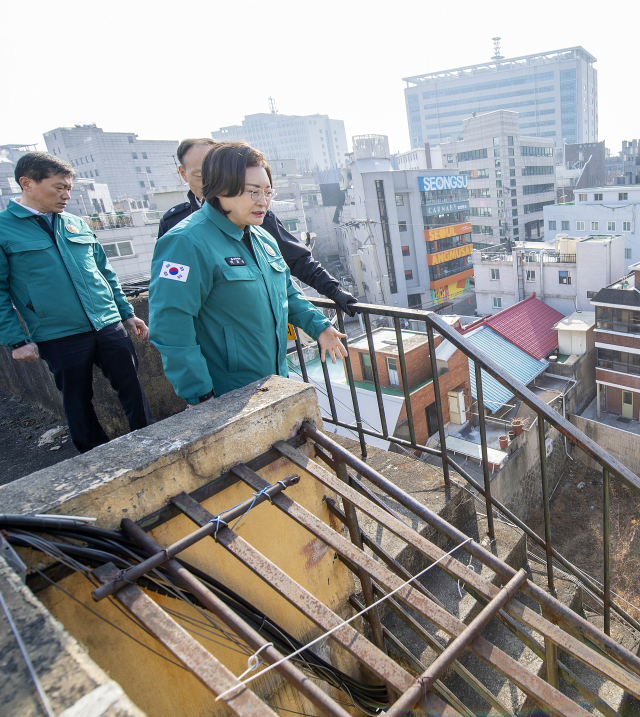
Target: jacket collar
<point x="224" y="224"/>
<point x="23" y="213"/>
<point x="193" y="201"/>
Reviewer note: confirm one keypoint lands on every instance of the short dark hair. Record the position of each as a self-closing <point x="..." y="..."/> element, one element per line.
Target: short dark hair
<point x="187" y="144"/>
<point x="224" y="168"/>
<point x="40" y="165"/>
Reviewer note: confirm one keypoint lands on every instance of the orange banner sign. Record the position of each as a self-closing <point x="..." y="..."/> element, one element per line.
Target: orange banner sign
<point x="444" y="232"/>
<point x="449" y="254"/>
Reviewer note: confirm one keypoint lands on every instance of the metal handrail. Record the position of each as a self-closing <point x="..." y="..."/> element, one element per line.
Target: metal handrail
<point x="433" y="322"/>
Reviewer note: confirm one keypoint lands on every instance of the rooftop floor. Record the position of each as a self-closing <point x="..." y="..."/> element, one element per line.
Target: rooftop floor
<point x="610" y="419"/>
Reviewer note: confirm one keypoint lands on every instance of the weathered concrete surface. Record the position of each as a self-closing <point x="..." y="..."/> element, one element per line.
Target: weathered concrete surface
<point x="583" y="371"/>
<point x="33" y="383"/>
<point x="71" y="680"/>
<point x="622" y="445"/>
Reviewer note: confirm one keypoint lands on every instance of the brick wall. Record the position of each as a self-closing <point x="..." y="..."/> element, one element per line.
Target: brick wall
<point x="621" y="379"/>
<point x="616" y="340"/>
<point x="613" y="401"/>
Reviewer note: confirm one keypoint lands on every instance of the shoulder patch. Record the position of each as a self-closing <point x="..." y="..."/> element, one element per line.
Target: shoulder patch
<point x="176" y="272"/>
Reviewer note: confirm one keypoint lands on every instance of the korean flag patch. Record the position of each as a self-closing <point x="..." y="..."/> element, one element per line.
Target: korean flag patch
<point x="171" y="270"/>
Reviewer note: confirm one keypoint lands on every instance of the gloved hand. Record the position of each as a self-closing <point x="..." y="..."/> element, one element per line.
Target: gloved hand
<point x="345" y="300"/>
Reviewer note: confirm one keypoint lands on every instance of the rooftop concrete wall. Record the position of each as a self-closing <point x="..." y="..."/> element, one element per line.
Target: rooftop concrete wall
<point x="583" y="371"/>
<point x="70" y="678"/>
<point x="134" y="476"/>
<point x="34" y="384"/>
<point x="621" y="444"/>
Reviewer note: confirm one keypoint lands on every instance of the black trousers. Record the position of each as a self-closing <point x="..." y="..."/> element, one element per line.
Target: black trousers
<point x="71" y="360"/>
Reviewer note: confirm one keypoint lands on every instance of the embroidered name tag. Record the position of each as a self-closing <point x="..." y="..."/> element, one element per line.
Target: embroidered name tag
<point x="235" y="261"/>
<point x="177" y="272"/>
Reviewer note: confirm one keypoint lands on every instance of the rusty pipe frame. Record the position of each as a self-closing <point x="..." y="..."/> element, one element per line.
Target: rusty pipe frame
<point x="560" y="613"/>
<point x="455" y="648"/>
<point x="233" y="621"/>
<point x="130" y="575"/>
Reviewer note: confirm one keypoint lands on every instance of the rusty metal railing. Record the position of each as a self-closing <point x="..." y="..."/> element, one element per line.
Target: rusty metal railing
<point x="545" y="415"/>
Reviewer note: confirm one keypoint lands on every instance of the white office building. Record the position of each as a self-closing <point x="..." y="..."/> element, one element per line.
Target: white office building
<point x="555" y="93"/>
<point x="511" y="176"/>
<point x="316" y="142"/>
<point x="600" y="210"/>
<point x="564" y="274"/>
<point x="128" y="165"/>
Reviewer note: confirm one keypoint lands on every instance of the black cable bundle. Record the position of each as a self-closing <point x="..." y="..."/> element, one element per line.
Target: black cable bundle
<point x="106" y="546"/>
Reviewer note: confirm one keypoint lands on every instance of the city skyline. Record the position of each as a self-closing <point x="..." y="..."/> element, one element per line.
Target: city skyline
<point x="144" y="67"/>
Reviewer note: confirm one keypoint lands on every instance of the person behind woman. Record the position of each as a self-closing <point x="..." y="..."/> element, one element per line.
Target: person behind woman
<point x="220" y="295"/>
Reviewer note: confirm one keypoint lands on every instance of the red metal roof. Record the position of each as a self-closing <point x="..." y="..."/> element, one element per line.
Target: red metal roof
<point x="528" y="325"/>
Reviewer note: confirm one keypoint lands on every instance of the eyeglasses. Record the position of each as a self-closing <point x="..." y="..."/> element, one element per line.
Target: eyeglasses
<point x="257" y="193"/>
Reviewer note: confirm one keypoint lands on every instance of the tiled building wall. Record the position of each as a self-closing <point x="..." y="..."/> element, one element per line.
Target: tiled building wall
<point x="630" y="341"/>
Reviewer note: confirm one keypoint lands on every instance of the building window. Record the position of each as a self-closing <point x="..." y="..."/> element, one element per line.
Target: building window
<point x="579" y="226"/>
<point x="152" y="183"/>
<point x="582" y="197"/>
<point x="497" y="302"/>
<point x="611" y="226"/>
<point x="515" y="222"/>
<point x="536" y="151"/>
<point x="405" y="251"/>
<point x="498" y="172"/>
<point x="516" y="232"/>
<point x="498" y="182"/>
<point x="514" y="202"/>
<point x="552" y="225"/>
<point x="408" y="274"/>
<point x="591" y="294"/>
<point x="138" y="170"/>
<point x="130" y="140"/>
<point x="626" y="226"/>
<point x="627" y="253"/>
<point x="564" y="226"/>
<point x="148" y="170"/>
<point x="531" y="275"/>
<point x="512" y="182"/>
<point x="594" y="226"/>
<point x="144" y="155"/>
<point x="510" y="141"/>
<point x="495" y="274"/>
<point x="134" y="155"/>
<point x="121" y="248"/>
<point x="449" y="158"/>
<point x="399" y="200"/>
<point x="141" y="183"/>
<point x="402" y="226"/>
<point x="512" y="162"/>
<point x="473" y="154"/>
<point x="496" y="152"/>
<point x="512" y="172"/>
<point x="496" y="141"/>
<point x="597" y="197"/>
<point x="97" y="173"/>
<point x="496" y="162"/>
<point x="511" y="152"/>
<point x="367" y="373"/>
<point x="564" y="277"/>
<point x="623" y="196"/>
<point x="392" y="369"/>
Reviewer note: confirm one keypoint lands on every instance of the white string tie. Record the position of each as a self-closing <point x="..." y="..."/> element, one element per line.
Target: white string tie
<point x="243" y="683"/>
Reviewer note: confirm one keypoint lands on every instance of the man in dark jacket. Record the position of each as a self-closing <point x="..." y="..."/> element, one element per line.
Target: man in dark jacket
<point x="301" y="264"/>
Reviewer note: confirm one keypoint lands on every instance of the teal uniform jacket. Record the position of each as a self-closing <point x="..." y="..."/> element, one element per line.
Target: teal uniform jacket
<point x="59" y="291"/>
<point x="219" y="319"/>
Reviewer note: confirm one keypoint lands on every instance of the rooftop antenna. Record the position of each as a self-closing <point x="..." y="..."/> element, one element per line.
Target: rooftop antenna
<point x="496" y="49"/>
<point x="272" y="106"/>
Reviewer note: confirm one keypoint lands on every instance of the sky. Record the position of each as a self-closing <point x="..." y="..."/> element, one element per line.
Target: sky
<point x="170" y="70"/>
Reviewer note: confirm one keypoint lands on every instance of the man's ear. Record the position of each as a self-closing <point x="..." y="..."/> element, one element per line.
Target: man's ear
<point x="24" y="183"/>
<point x="182" y="173"/>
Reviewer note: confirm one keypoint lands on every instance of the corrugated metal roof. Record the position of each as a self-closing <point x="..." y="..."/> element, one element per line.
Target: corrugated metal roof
<point x="529" y="325"/>
<point x="515" y="362"/>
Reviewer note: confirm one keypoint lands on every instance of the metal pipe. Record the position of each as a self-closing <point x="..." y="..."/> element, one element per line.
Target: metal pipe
<point x="352" y="386"/>
<point x="405" y="381"/>
<point x="436" y="395"/>
<point x="327" y="383"/>
<point x="132" y="574"/>
<point x="606" y="544"/>
<point x="455" y="648"/>
<point x="376" y="377"/>
<point x="233" y="621"/>
<point x="545" y="501"/>
<point x="483" y="447"/>
<point x="303" y="365"/>
<point x="560" y="612"/>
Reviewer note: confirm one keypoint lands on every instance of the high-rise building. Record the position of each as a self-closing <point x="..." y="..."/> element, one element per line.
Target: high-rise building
<point x="316" y="142"/>
<point x="511" y="176"/>
<point x="128" y="165"/>
<point x="556" y="94"/>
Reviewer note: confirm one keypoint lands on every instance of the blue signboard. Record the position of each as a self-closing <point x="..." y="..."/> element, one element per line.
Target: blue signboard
<point x="433" y="210"/>
<point x="442" y="181"/>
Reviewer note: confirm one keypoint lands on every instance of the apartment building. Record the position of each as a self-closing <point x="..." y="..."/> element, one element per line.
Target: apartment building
<point x="565" y="274"/>
<point x="409" y="241"/>
<point x="617" y="336"/>
<point x="129" y="166"/>
<point x="555" y="94"/>
<point x="600" y="210"/>
<point x="511" y="177"/>
<point x="316" y="142"/>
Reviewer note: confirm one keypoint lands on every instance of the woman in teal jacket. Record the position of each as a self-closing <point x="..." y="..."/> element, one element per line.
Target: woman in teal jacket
<point x="220" y="295"/>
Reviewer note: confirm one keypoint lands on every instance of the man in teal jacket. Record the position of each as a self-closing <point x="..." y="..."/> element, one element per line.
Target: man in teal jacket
<point x="56" y="276"/>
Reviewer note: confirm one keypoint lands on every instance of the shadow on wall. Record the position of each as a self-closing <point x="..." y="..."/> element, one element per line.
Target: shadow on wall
<point x="34" y="384"/>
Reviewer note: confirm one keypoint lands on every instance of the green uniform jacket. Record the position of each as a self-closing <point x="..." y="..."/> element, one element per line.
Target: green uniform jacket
<point x="218" y="319"/>
<point x="57" y="291"/>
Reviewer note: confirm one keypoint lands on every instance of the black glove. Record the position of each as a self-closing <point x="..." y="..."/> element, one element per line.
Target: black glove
<point x="345" y="301"/>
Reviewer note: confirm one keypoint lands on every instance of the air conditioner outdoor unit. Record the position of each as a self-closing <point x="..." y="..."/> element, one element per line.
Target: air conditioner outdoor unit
<point x="457" y="413"/>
